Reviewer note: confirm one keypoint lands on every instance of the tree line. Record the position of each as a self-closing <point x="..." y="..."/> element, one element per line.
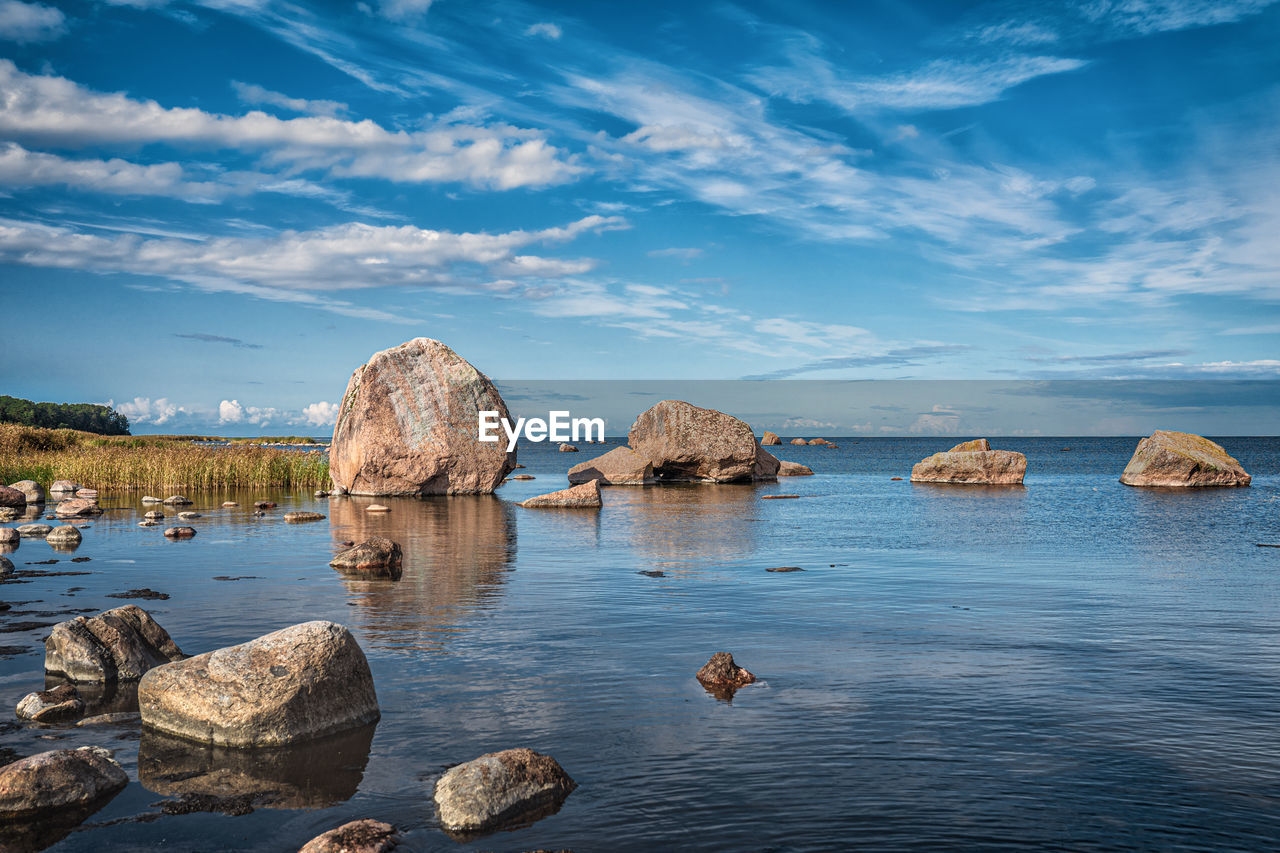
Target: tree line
<point x="89" y="417"/>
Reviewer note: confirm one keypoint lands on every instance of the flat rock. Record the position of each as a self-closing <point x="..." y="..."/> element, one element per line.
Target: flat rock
<point x="1182" y="460"/>
<point x="65" y="536"/>
<point x="33" y="531"/>
<point x="185" y="516"/>
<point x="721" y="671"/>
<point x="358" y="836"/>
<point x="115" y="718"/>
<point x="785" y="569"/>
<point x="501" y="788"/>
<point x="778" y="497"/>
<point x="12" y="497"/>
<point x="793" y="469"/>
<point x="78" y="508"/>
<point x="686" y="443"/>
<point x="297" y="684"/>
<point x="621" y="466"/>
<point x="980" y="466"/>
<point x="229" y="504"/>
<point x="179" y="532"/>
<point x="377" y="508"/>
<point x="300" y="517"/>
<point x="116" y="645"/>
<point x="376" y="556"/>
<point x="50" y="782"/>
<point x="583" y="496"/>
<point x="87" y="494"/>
<point x="149" y="499"/>
<point x="51" y="706"/>
<point x="31" y="490"/>
<point x="148" y="523"/>
<point x="177" y="500"/>
<point x="408" y="426"/>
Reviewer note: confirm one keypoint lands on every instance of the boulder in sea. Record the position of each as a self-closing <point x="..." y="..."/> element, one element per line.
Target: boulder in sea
<point x="972" y="467"/>
<point x="766" y="468"/>
<point x="376" y="556"/>
<point x="769" y="439"/>
<point x="408" y="425"/>
<point x="31" y="490"/>
<point x="154" y="514"/>
<point x="116" y="645"/>
<point x="179" y="532"/>
<point x="62" y="486"/>
<point x="358" y="836"/>
<point x="150" y="499"/>
<point x="818" y="442"/>
<point x="568" y="448"/>
<point x="621" y="466"/>
<point x="9" y="535"/>
<point x="500" y="789"/>
<point x="64" y="779"/>
<point x="583" y="496"/>
<point x="686" y="443"/>
<point x="33" y="531"/>
<point x="78" y="508"/>
<point x="65" y="536"/>
<point x="799" y="442"/>
<point x="1182" y="460"/>
<point x="293" y="685"/>
<point x="177" y="500"/>
<point x="300" y="516"/>
<point x="51" y="706"/>
<point x="12" y="497"/>
<point x="793" y="469"/>
<point x="721" y="671"/>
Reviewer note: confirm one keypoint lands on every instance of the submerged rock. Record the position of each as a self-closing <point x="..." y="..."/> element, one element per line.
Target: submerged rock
<point x="408" y="426"/>
<point x="793" y="469"/>
<point x="769" y="439"/>
<point x="62" y="779"/>
<point x="721" y="671"/>
<point x="584" y="496"/>
<point x="299" y="517"/>
<point x="65" y="536"/>
<point x="684" y="442"/>
<point x="1182" y="460"/>
<point x="12" y="498"/>
<point x="296" y="684"/>
<point x="972" y="463"/>
<point x="51" y="706"/>
<point x="358" y="836"/>
<point x="116" y="645"/>
<point x="78" y="508"/>
<point x="501" y="788"/>
<point x="375" y="556"/>
<point x="621" y="466"/>
<point x="31" y="490"/>
<point x="264" y="504"/>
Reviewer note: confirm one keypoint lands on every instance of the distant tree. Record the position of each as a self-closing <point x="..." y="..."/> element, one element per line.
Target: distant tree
<point x="88" y="417"/>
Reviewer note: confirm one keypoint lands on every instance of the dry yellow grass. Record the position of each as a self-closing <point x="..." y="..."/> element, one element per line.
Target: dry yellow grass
<point x="143" y="462"/>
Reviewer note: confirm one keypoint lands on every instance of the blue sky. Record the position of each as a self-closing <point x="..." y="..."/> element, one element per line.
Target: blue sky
<point x="210" y="213"/>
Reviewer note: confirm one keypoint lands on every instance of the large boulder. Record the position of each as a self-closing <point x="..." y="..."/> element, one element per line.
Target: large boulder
<point x="376" y="556"/>
<point x="770" y="438"/>
<point x="1182" y="460"/>
<point x="9" y="535"/>
<point x="293" y="685"/>
<point x="409" y="425"/>
<point x="12" y="497"/>
<point x="78" y="508"/>
<point x="584" y="496"/>
<point x="358" y="836"/>
<point x="31" y="490"/>
<point x="501" y="788"/>
<point x="972" y="463"/>
<point x="686" y="443"/>
<point x="63" y="779"/>
<point x="621" y="466"/>
<point x="116" y="645"/>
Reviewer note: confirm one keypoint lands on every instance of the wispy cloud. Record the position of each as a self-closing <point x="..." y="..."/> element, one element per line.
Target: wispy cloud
<point x="30" y="22"/>
<point x="253" y="94"/>
<point x="544" y="29"/>
<point x="217" y="339"/>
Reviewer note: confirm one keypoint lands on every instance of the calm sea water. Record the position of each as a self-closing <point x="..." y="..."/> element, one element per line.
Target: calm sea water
<point x="1074" y="664"/>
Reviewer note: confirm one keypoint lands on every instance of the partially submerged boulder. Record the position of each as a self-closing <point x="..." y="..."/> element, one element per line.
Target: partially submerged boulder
<point x="568" y="448"/>
<point x="6" y="566"/>
<point x="972" y="463"/>
<point x="31" y="490"/>
<point x="375" y="556"/>
<point x="799" y="442"/>
<point x="9" y="535"/>
<point x="33" y="531"/>
<point x="293" y="685"/>
<point x="12" y="497"/>
<point x="584" y="496"/>
<point x="179" y="532"/>
<point x="65" y="536"/>
<point x="62" y="486"/>
<point x="301" y="516"/>
<point x="63" y="779"/>
<point x="621" y="466"/>
<point x="177" y="500"/>
<point x="51" y="706"/>
<point x="686" y="443"/>
<point x="770" y="438"/>
<point x="793" y="469"/>
<point x="721" y="671"/>
<point x="501" y="788"/>
<point x="358" y="836"/>
<point x="116" y="645"/>
<point x="78" y="508"/>
<point x="408" y="425"/>
<point x="1182" y="460"/>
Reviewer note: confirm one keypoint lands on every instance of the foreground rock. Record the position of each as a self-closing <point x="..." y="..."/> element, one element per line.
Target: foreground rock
<point x="721" y="671"/>
<point x="621" y="466"/>
<point x="116" y="645"/>
<point x="408" y="422"/>
<point x="78" y="508"/>
<point x="501" y="788"/>
<point x="297" y="684"/>
<point x="687" y="443"/>
<point x="12" y="497"/>
<point x="793" y="469"/>
<point x="584" y="496"/>
<point x="300" y="517"/>
<point x="769" y="439"/>
<point x="31" y="490"/>
<point x="65" y="536"/>
<point x="1182" y="460"/>
<point x="62" y="779"/>
<point x="51" y="706"/>
<point x="375" y="556"/>
<point x="976" y="465"/>
<point x="359" y="836"/>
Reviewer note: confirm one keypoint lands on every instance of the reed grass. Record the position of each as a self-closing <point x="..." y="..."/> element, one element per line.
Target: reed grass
<point x="145" y="462"/>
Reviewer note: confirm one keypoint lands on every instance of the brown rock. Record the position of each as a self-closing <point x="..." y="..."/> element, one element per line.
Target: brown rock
<point x="777" y="497"/>
<point x="798" y="441"/>
<point x="584" y="496"/>
<point x="78" y="508"/>
<point x="358" y="836"/>
<point x="377" y="508"/>
<point x="685" y="443"/>
<point x="8" y="513"/>
<point x="409" y="426"/>
<point x="264" y="504"/>
<point x="376" y="556"/>
<point x="770" y="438"/>
<point x="51" y="706"/>
<point x="63" y="779"/>
<point x="229" y="504"/>
<point x="87" y="494"/>
<point x="297" y="684"/>
<point x="524" y="477"/>
<point x="9" y="535"/>
<point x="568" y="448"/>
<point x="818" y="442"/>
<point x="116" y="645"/>
<point x="766" y="467"/>
<point x="972" y="467"/>
<point x="12" y="497"/>
<point x="179" y="532"/>
<point x="33" y="531"/>
<point x="1182" y="460"/>
<point x="501" y="788"/>
<point x="300" y="517"/>
<point x="721" y="671"/>
<point x="621" y="466"/>
<point x="793" y="469"/>
<point x="971" y="446"/>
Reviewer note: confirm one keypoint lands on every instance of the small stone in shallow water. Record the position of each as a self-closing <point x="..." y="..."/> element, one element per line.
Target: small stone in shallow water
<point x="298" y="517"/>
<point x="358" y="836"/>
<point x="188" y="515"/>
<point x="179" y="532"/>
<point x="148" y="499"/>
<point x="499" y="789"/>
<point x="377" y="556"/>
<point x="652" y="573"/>
<point x="34" y="531"/>
<point x="264" y="504"/>
<point x="148" y="523"/>
<point x="145" y="593"/>
<point x="50" y="706"/>
<point x="51" y="782"/>
<point x="522" y="477"/>
<point x="177" y="500"/>
<point x="154" y="514"/>
<point x="81" y="559"/>
<point x="229" y="504"/>
<point x="721" y="671"/>
<point x="64" y="536"/>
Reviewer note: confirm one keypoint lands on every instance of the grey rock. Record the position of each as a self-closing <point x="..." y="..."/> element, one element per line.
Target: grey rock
<point x="33" y="531"/>
<point x="51" y="706"/>
<point x="33" y="491"/>
<point x="65" y="536"/>
<point x="515" y="785"/>
<point x="116" y="645"/>
<point x="375" y="556"/>
<point x="50" y="782"/>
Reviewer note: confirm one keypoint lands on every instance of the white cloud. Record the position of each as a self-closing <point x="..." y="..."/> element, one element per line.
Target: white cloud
<point x="144" y="410"/>
<point x="404" y="10"/>
<point x="546" y="30"/>
<point x="30" y="22"/>
<point x="230" y="412"/>
<point x="936" y="424"/>
<point x="320" y="414"/>
<point x="251" y="93"/>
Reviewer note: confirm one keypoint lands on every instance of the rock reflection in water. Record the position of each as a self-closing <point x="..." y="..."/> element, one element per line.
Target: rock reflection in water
<point x="29" y="836"/>
<point x="113" y="697"/>
<point x="312" y="775"/>
<point x="687" y="526"/>
<point x="457" y="551"/>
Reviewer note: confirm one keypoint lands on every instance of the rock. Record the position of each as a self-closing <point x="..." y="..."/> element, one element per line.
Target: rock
<point x="766" y="467"/>
<point x="376" y="556"/>
<point x="522" y="466"/>
<point x="339" y="491"/>
<point x="408" y="426"/>
<point x="583" y="496"/>
<point x="972" y="467"/>
<point x="33" y="531"/>
<point x="87" y="494"/>
<point x="971" y="446"/>
<point x="377" y="508"/>
<point x="6" y="567"/>
<point x="1182" y="460"/>
<point x="9" y="535"/>
<point x="148" y="523"/>
<point x="8" y="513"/>
<point x="818" y="442"/>
<point x="116" y="645"/>
<point x="501" y="788"/>
<point x="778" y="497"/>
<point x="621" y="466"/>
<point x="686" y="443"/>
<point x="895" y="478"/>
<point x="12" y="497"/>
<point x="524" y="477"/>
<point x="148" y="499"/>
<point x="358" y="836"/>
<point x="264" y="504"/>
<point x="31" y="490"/>
<point x="177" y="500"/>
<point x="321" y="493"/>
<point x="798" y="441"/>
<point x="568" y="448"/>
<point x="793" y="469"/>
<point x="299" y="517"/>
<point x="187" y="516"/>
<point x="78" y="508"/>
<point x="65" y="536"/>
<point x="179" y="532"/>
<point x="64" y="486"/>
<point x="297" y="684"/>
<point x="154" y="515"/>
<point x="228" y="504"/>
<point x="769" y="439"/>
<point x="785" y="569"/>
<point x="62" y="779"/>
<point x="51" y="706"/>
<point x="116" y="718"/>
<point x="721" y="671"/>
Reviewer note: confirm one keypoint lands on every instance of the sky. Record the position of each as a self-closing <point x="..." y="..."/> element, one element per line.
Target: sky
<point x="212" y="212"/>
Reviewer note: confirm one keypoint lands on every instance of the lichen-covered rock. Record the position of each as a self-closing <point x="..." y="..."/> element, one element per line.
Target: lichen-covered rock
<point x="408" y="425"/>
<point x="296" y="684"/>
<point x="583" y="496"/>
<point x="65" y="536"/>
<point x="358" y="836"/>
<point x="972" y="463"/>
<point x="971" y="446"/>
<point x="621" y="466"/>
<point x="49" y="782"/>
<point x="51" y="706"/>
<point x="769" y="439"/>
<point x="375" y="556"/>
<point x="31" y="490"/>
<point x="793" y="469"/>
<point x="300" y="516"/>
<point x="500" y="788"/>
<point x="1182" y="460"/>
<point x="116" y="645"/>
<point x="687" y="443"/>
<point x="78" y="508"/>
<point x="12" y="497"/>
<point x="721" y="671"/>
